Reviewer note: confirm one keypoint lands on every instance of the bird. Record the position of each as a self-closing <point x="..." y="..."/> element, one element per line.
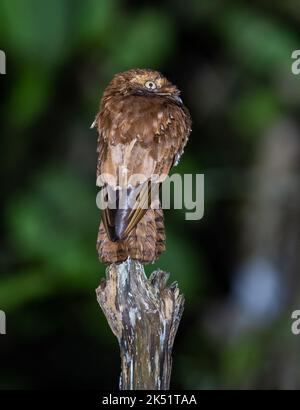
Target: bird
<point x="143" y="128"/>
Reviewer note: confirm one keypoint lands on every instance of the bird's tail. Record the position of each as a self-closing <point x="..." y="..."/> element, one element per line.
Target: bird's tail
<point x="144" y="243"/>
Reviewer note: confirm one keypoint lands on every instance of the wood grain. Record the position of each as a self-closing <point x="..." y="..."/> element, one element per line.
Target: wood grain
<point x="144" y="315"/>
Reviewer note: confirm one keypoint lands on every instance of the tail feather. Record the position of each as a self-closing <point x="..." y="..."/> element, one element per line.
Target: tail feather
<point x="144" y="243"/>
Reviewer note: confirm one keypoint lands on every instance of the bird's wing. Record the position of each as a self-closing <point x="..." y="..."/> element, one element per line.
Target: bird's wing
<point x="143" y="141"/>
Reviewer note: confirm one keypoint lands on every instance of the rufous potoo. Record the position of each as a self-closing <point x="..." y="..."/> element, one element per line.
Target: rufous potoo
<point x="143" y="127"/>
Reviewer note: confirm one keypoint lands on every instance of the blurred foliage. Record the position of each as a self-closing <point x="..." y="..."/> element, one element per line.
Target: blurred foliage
<point x="232" y="62"/>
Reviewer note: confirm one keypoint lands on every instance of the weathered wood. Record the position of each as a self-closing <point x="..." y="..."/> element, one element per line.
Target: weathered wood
<point x="144" y="315"/>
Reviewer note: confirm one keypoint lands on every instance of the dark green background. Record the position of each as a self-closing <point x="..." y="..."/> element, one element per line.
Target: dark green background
<point x="232" y="60"/>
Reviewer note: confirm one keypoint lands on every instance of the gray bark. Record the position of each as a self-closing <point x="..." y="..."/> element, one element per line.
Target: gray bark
<point x="144" y="315"/>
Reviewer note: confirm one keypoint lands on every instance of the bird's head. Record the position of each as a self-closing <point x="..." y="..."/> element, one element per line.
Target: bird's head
<point x="143" y="82"/>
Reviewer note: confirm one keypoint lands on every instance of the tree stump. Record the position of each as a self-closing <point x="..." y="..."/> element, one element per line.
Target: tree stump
<point x="144" y="315"/>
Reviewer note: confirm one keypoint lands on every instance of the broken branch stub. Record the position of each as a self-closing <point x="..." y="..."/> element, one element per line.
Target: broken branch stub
<point x="144" y="315"/>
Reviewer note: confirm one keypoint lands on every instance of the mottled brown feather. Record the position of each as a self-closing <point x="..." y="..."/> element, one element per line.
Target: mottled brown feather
<point x="144" y="133"/>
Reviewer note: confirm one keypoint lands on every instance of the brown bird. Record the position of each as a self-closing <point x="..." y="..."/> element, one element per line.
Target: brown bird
<point x="143" y="128"/>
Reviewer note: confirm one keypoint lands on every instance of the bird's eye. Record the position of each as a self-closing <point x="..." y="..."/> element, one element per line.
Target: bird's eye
<point x="150" y="85"/>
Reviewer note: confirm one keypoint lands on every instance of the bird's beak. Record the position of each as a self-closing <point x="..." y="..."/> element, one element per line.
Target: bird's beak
<point x="177" y="99"/>
<point x="174" y="97"/>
